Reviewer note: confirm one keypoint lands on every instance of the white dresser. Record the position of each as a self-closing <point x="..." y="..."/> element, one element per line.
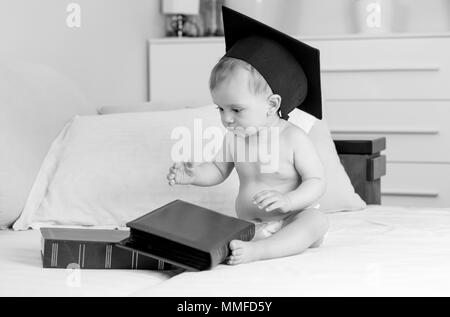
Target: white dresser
<point x="397" y="86"/>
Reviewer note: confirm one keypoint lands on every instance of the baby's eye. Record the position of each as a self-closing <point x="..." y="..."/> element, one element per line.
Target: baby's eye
<point x="236" y="110"/>
<point x="220" y="109"/>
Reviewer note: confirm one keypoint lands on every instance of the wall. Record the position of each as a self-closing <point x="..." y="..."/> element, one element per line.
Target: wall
<point x="325" y="17"/>
<point x="106" y="56"/>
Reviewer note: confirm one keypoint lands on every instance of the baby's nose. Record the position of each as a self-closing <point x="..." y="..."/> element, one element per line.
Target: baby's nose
<point x="228" y="119"/>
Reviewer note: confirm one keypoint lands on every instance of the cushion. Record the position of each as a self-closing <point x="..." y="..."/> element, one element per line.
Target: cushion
<point x="107" y="170"/>
<point x="35" y="103"/>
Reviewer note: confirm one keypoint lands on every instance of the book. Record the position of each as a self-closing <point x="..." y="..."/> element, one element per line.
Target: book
<point x="186" y="235"/>
<point x="92" y="249"/>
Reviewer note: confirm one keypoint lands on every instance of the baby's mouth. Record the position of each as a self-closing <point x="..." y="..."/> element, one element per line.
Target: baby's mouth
<point x="239" y="131"/>
<point x="245" y="132"/>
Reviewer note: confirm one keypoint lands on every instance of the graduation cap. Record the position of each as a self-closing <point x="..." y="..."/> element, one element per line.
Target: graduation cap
<point x="290" y="67"/>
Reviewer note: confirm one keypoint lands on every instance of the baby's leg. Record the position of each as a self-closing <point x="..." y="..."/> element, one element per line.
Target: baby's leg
<point x="304" y="230"/>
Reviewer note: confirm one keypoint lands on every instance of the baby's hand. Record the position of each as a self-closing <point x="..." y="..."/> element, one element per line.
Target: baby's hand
<point x="270" y="200"/>
<point x="181" y="173"/>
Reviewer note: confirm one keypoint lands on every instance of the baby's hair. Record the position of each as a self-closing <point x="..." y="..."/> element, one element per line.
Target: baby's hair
<point x="221" y="71"/>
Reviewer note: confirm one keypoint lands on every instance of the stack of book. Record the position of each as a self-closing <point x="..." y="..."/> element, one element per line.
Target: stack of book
<point x="176" y="235"/>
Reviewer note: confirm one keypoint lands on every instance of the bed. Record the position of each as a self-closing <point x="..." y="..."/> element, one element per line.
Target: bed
<point x="379" y="251"/>
<point x="373" y="250"/>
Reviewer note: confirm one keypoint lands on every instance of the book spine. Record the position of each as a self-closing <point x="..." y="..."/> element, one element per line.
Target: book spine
<point x="247" y="234"/>
<point x="95" y="255"/>
<point x="220" y="254"/>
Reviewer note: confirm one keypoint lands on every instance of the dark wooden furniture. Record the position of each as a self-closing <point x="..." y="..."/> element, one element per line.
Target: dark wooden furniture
<point x="364" y="164"/>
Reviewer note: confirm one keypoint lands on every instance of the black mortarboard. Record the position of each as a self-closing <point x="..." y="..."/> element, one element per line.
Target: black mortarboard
<point x="290" y="67"/>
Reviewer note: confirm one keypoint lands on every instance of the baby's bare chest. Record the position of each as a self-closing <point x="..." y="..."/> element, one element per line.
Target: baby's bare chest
<point x="265" y="160"/>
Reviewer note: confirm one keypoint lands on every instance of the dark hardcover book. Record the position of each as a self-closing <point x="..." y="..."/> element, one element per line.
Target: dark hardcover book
<point x="186" y="235"/>
<point x="359" y="145"/>
<point x="92" y="249"/>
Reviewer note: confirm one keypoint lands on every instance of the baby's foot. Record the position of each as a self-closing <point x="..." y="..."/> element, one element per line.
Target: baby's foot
<point x="242" y="252"/>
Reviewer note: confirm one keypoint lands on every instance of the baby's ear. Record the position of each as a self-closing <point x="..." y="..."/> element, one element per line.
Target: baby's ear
<point x="274" y="103"/>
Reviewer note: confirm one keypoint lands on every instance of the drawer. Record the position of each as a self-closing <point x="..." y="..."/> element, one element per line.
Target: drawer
<point x="412" y="83"/>
<point x="379" y="51"/>
<point x="374" y="68"/>
<point x="424" y="185"/>
<point x="415" y="130"/>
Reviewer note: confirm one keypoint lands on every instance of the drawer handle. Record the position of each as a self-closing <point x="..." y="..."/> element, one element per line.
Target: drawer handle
<point x="410" y="193"/>
<point x="358" y="69"/>
<point x="425" y="131"/>
<point x="378" y="99"/>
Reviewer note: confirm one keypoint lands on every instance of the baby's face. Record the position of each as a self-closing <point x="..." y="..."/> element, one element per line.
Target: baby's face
<point x="240" y="109"/>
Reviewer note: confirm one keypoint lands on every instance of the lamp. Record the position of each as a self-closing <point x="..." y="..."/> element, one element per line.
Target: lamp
<point x="180" y="9"/>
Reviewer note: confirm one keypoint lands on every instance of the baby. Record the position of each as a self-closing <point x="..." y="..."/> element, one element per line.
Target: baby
<point x="278" y="200"/>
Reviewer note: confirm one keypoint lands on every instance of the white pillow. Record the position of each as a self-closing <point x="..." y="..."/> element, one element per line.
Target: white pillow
<point x="108" y="170"/>
<point x="35" y="103"/>
<point x="150" y="106"/>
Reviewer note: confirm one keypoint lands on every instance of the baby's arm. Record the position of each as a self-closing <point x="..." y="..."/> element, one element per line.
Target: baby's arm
<point x="205" y="173"/>
<point x="212" y="173"/>
<point x="309" y="166"/>
<point x="217" y="171"/>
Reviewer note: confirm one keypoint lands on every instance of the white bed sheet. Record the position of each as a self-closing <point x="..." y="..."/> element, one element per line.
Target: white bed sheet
<point x="381" y="251"/>
<point x="21" y="273"/>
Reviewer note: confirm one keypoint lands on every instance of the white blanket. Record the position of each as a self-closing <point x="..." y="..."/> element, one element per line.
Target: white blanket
<point x="380" y="251"/>
<point x="21" y="273"/>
